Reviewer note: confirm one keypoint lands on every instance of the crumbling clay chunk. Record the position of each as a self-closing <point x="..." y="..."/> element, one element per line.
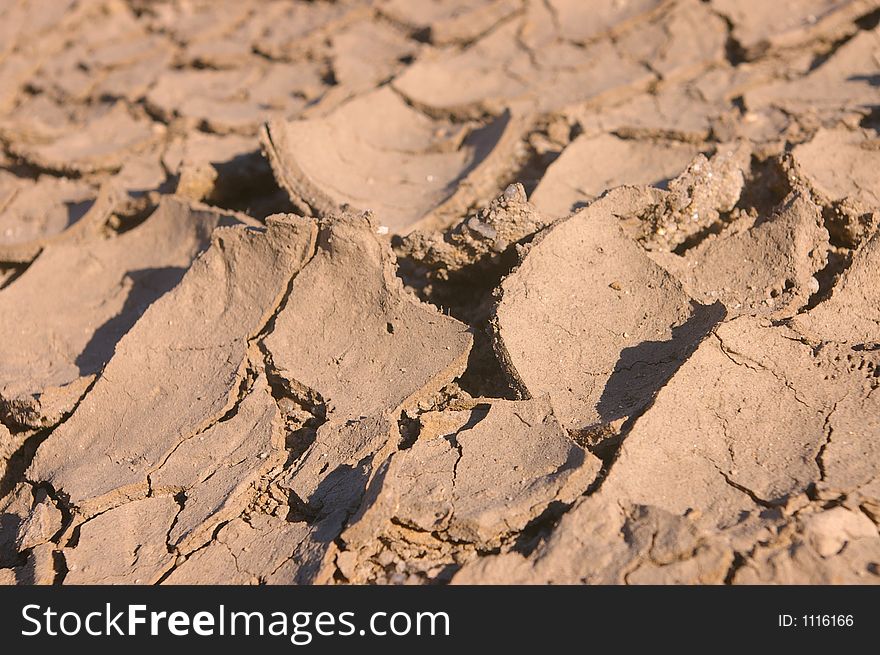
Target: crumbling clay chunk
<point x="852" y="313"/>
<point x="480" y="238"/>
<point x="66" y="313"/>
<point x="182" y="365"/>
<point x="377" y="153"/>
<point x="706" y="189"/>
<point x="766" y="268"/>
<point x="591" y="165"/>
<point x="588" y="319"/>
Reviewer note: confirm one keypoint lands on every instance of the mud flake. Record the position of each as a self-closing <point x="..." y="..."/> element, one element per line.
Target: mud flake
<point x="467" y="82"/>
<point x="582" y="23"/>
<point x="458" y="486"/>
<point x="376" y="153"/>
<point x="217" y="469"/>
<point x="243" y="552"/>
<point x="449" y="21"/>
<point x="671" y="111"/>
<point x="332" y="336"/>
<point x="367" y="53"/>
<point x="602" y="542"/>
<point x="842" y="83"/>
<point x="560" y="297"/>
<point x="60" y="345"/>
<point x="125" y="545"/>
<point x="102" y="144"/>
<point x="759" y="26"/>
<point x="33" y="212"/>
<point x="589" y="166"/>
<point x="842" y="164"/>
<point x="182" y="364"/>
<point x="680" y="40"/>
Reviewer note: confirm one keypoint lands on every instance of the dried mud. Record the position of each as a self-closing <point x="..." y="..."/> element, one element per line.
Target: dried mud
<point x="441" y="291"/>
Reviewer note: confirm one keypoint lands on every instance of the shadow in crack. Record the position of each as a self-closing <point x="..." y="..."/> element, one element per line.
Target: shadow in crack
<point x="348" y="490"/>
<point x="642" y="370"/>
<point x="76" y="210"/>
<point x="147" y="285"/>
<point x="9" y="525"/>
<point x="484" y="140"/>
<point x="327" y="511"/>
<point x="873" y="80"/>
<point x="335" y="473"/>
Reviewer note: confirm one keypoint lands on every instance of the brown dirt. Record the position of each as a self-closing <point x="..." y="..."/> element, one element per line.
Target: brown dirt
<point x="441" y="291"/>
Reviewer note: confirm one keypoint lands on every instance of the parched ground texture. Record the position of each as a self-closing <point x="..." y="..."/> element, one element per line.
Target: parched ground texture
<point x="439" y="291"/>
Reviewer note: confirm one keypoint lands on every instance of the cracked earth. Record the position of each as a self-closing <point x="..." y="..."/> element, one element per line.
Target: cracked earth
<point x="439" y="291"/>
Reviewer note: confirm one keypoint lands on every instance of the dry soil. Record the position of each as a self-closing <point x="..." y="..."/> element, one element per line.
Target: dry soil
<point x="439" y="291"/>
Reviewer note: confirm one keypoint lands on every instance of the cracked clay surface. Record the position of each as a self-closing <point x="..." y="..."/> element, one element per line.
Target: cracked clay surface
<point x="439" y="292"/>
